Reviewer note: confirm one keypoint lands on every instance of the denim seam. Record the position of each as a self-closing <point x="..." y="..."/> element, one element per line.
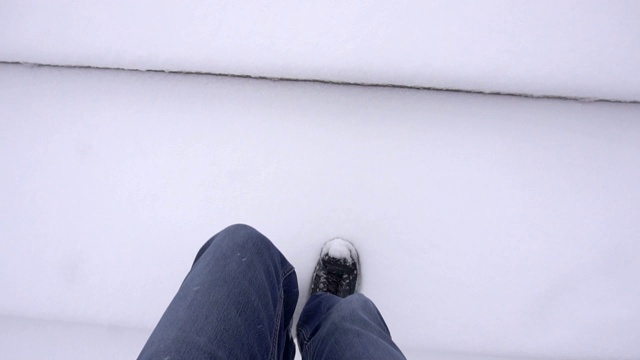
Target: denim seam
<point x="305" y="340"/>
<point x="274" y="336"/>
<point x="287" y="272"/>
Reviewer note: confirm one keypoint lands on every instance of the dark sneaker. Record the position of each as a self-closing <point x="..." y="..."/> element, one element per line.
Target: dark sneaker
<point x="337" y="270"/>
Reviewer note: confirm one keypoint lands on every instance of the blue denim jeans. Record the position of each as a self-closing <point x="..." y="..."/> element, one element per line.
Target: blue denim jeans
<point x="237" y="302"/>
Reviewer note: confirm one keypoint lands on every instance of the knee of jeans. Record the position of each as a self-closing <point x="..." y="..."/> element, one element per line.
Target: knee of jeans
<point x="357" y="308"/>
<point x="352" y="304"/>
<point x="239" y="228"/>
<point x="246" y="237"/>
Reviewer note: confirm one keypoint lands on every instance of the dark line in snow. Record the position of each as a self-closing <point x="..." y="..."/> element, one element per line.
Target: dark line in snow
<point x="331" y="82"/>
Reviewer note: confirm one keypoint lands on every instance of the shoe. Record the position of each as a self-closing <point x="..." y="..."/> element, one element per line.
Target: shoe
<point x="337" y="269"/>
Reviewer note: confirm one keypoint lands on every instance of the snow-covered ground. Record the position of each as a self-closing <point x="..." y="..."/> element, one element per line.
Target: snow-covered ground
<point x="485" y="224"/>
<point x="30" y="339"/>
<point x="588" y="48"/>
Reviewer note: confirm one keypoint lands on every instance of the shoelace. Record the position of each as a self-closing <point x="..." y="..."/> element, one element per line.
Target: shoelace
<point x="336" y="276"/>
<point x="333" y="284"/>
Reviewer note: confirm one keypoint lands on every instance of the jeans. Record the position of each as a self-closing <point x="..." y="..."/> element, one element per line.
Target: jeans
<point x="237" y="302"/>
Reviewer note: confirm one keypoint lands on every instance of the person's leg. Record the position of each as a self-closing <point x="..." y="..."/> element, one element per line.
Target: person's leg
<point x="332" y="328"/>
<point x="338" y="323"/>
<point x="236" y="303"/>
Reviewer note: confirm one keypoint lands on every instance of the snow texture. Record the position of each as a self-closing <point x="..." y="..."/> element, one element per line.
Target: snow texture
<point x="31" y="339"/>
<point x="485" y="224"/>
<point x="587" y="49"/>
<point x="340" y="249"/>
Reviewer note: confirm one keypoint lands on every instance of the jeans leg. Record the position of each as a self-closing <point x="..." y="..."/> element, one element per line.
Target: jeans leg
<point x="332" y="328"/>
<point x="237" y="302"/>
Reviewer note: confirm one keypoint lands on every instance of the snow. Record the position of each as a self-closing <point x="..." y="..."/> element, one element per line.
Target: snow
<point x="340" y="249"/>
<point x="585" y="49"/>
<point x="28" y="339"/>
<point x="485" y="225"/>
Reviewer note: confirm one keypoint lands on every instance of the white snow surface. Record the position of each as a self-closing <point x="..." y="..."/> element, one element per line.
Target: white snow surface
<point x="340" y="249"/>
<point x="485" y="225"/>
<point x="545" y="47"/>
<point x="31" y="339"/>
